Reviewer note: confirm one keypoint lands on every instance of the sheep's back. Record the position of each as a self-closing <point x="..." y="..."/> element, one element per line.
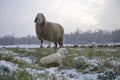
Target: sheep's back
<point x="54" y="31"/>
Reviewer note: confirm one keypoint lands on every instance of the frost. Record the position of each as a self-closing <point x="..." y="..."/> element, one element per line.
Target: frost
<point x="34" y="71"/>
<point x="29" y="50"/>
<point x="118" y="78"/>
<point x="92" y="61"/>
<point x="25" y="59"/>
<point x="4" y="51"/>
<point x="109" y="74"/>
<point x="6" y="66"/>
<point x="83" y="68"/>
<point x="63" y="74"/>
<point x="71" y="74"/>
<point x="115" y="63"/>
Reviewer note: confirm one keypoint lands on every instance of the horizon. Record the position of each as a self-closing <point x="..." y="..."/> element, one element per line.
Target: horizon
<point x="77" y="29"/>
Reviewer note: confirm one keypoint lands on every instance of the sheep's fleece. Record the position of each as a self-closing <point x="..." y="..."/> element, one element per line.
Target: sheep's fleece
<point x="55" y="58"/>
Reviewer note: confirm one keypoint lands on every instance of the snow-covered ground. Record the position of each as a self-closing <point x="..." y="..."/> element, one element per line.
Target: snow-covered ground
<point x="7" y="67"/>
<point x="30" y="46"/>
<point x="21" y="46"/>
<point x="69" y="74"/>
<point x="60" y="75"/>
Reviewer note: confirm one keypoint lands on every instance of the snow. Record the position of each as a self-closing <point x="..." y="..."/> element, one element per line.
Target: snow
<point x="92" y="61"/>
<point x="29" y="50"/>
<point x="87" y="77"/>
<point x="4" y="51"/>
<point x="29" y="45"/>
<point x="66" y="74"/>
<point x="5" y="65"/>
<point x="25" y="59"/>
<point x="118" y="78"/>
<point x="69" y="74"/>
<point x="115" y="62"/>
<point x="34" y="71"/>
<point x="20" y="46"/>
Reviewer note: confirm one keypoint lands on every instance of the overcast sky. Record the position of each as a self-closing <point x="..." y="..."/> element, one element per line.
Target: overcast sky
<point x="17" y="16"/>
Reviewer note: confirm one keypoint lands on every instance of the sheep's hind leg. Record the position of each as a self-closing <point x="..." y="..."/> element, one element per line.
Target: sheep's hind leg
<point x="55" y="45"/>
<point x="60" y="42"/>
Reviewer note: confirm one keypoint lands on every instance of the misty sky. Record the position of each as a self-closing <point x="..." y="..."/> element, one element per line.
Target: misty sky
<point x="17" y="16"/>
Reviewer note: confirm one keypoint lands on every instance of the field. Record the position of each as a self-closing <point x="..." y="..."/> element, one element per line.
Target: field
<point x="80" y="64"/>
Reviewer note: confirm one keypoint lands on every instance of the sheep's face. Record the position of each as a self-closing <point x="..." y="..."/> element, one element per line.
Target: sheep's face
<point x="63" y="52"/>
<point x="39" y="18"/>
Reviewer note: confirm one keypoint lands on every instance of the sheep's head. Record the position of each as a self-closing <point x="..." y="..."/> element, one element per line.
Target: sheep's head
<point x="40" y="19"/>
<point x="62" y="51"/>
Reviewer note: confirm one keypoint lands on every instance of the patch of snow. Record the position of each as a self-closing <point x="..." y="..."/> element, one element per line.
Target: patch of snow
<point x="45" y="53"/>
<point x="30" y="45"/>
<point x="25" y="59"/>
<point x="71" y="74"/>
<point x="80" y="57"/>
<point x="118" y="78"/>
<point x="75" y="55"/>
<point x="7" y="66"/>
<point x="115" y="62"/>
<point x="52" y="70"/>
<point x="4" y="51"/>
<point x="88" y="77"/>
<point x="92" y="61"/>
<point x="67" y="74"/>
<point x="20" y="46"/>
<point x="111" y="50"/>
<point x="34" y="71"/>
<point x="30" y="50"/>
<point x="23" y="46"/>
<point x="79" y="49"/>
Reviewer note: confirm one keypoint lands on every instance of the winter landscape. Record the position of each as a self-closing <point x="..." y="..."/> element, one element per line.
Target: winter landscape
<point x="22" y="63"/>
<point x="59" y="40"/>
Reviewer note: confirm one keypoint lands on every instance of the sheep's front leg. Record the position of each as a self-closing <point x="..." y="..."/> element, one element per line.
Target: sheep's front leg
<point x="41" y="45"/>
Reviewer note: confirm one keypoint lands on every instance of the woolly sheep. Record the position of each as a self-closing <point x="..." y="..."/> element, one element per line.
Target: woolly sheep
<point x="94" y="45"/>
<point x="49" y="31"/>
<point x="55" y="58"/>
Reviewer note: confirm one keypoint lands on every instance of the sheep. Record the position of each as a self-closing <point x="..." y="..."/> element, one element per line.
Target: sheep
<point x="55" y="58"/>
<point x="94" y="46"/>
<point x="49" y="31"/>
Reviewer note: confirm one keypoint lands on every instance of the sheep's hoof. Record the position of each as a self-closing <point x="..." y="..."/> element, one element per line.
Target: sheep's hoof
<point x="41" y="47"/>
<point x="48" y="46"/>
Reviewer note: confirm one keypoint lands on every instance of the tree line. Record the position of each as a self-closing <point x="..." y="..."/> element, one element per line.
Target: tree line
<point x="76" y="37"/>
<point x="100" y="37"/>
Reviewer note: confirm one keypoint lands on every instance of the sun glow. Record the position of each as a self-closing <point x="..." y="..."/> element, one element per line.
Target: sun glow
<point x="82" y="13"/>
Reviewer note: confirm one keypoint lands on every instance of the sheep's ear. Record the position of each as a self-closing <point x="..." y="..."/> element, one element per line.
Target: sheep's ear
<point x="35" y="20"/>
